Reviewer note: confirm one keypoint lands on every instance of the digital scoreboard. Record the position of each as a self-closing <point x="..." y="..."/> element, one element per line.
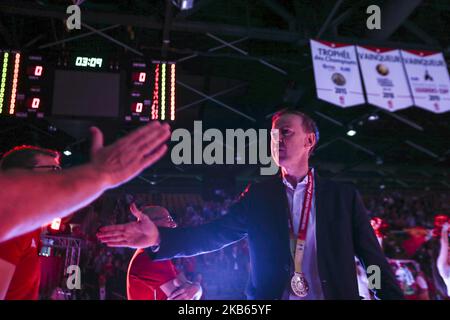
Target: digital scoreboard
<point x="152" y="95"/>
<point x="21" y="86"/>
<point x="86" y="86"/>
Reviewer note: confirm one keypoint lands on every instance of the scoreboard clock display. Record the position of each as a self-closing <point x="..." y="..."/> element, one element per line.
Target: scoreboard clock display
<point x="91" y="62"/>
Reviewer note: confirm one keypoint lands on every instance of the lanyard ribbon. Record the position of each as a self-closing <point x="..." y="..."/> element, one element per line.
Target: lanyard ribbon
<point x="303" y="226"/>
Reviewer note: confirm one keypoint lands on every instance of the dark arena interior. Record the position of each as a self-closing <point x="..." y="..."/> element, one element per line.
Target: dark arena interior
<point x="224" y="67"/>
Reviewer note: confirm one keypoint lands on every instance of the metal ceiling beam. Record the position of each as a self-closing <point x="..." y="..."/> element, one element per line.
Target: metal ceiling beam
<point x="393" y="14"/>
<point x="217" y="94"/>
<point x="332" y="120"/>
<point x="282" y="12"/>
<point x="400" y="118"/>
<point x="80" y="36"/>
<point x="211" y="50"/>
<point x="328" y="20"/>
<point x="358" y="146"/>
<point x="276" y="35"/>
<point x="104" y="35"/>
<point x="166" y="29"/>
<point x="32" y="9"/>
<point x="5" y="34"/>
<point x="245" y="53"/>
<point x="340" y="19"/>
<point x="220" y="103"/>
<point x="422" y="35"/>
<point x="421" y="149"/>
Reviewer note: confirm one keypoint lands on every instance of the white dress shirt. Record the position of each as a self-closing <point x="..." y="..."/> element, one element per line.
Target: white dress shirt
<point x="309" y="265"/>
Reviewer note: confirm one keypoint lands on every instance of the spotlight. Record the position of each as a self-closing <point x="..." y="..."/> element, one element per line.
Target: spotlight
<point x="382" y="186"/>
<point x="67" y="153"/>
<point x="379" y="161"/>
<point x="351" y="132"/>
<point x="373" y="117"/>
<point x="183" y="4"/>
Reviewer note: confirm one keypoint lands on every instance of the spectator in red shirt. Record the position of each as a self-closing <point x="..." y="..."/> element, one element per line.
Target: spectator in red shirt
<point x="19" y="261"/>
<point x="145" y="277"/>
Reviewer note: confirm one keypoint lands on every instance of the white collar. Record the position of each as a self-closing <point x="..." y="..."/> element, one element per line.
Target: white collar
<point x="299" y="183"/>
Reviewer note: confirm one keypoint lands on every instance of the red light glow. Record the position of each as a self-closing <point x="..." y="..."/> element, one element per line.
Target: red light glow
<point x="38" y="71"/>
<point x="142" y="76"/>
<point x="35" y="103"/>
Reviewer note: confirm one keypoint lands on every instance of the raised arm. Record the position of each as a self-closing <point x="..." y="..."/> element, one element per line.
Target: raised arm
<point x="29" y="200"/>
<point x="186" y="242"/>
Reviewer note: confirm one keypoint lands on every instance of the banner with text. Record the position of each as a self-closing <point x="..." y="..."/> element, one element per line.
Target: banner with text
<point x="384" y="78"/>
<point x="428" y="78"/>
<point x="336" y="73"/>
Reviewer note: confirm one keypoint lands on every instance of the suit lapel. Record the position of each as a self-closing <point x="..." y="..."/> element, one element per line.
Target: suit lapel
<point x="323" y="214"/>
<point x="281" y="212"/>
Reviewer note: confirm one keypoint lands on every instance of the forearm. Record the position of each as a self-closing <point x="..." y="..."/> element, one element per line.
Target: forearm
<point x="30" y="200"/>
<point x="186" y="242"/>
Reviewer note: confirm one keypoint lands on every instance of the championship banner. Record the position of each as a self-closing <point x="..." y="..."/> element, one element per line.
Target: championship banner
<point x="336" y="73"/>
<point x="428" y="78"/>
<point x="384" y="78"/>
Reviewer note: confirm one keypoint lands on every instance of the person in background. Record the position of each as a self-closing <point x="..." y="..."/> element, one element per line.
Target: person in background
<point x="379" y="227"/>
<point x="443" y="260"/>
<point x="433" y="249"/>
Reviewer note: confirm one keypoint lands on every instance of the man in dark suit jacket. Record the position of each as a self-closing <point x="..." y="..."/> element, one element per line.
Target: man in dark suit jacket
<point x="338" y="229"/>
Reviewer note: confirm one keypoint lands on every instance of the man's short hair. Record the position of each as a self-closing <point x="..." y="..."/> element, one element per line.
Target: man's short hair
<point x="308" y="124"/>
<point x="22" y="157"/>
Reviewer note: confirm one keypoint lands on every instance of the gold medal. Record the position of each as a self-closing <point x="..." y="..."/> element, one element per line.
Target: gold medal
<point x="299" y="285"/>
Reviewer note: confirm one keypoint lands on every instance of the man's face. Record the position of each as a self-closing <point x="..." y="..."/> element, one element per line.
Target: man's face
<point x="45" y="163"/>
<point x="293" y="143"/>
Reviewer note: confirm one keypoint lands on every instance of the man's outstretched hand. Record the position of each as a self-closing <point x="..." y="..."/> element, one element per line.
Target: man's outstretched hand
<point x="142" y="233"/>
<point x="128" y="156"/>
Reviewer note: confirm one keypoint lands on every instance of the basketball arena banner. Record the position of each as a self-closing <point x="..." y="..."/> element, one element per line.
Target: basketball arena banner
<point x="384" y="78"/>
<point x="428" y="78"/>
<point x="336" y="73"/>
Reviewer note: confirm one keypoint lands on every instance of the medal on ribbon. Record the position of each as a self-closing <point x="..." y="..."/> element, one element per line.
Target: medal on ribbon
<point x="299" y="284"/>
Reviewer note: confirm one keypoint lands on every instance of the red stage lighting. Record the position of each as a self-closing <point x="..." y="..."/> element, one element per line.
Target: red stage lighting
<point x="142" y="76"/>
<point x="35" y="103"/>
